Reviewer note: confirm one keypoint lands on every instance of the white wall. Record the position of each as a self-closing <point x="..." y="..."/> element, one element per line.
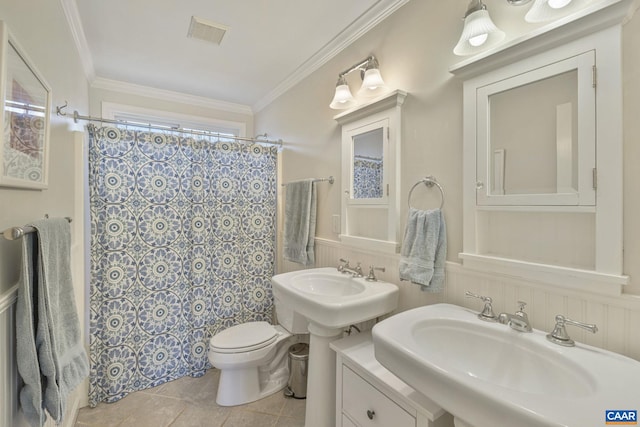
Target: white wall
<point x="414" y="48"/>
<point x="41" y="29"/>
<point x="148" y="98"/>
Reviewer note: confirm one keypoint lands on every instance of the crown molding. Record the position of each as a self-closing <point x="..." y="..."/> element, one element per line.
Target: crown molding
<point x="171" y="96"/>
<point x="72" y="14"/>
<point x="372" y="17"/>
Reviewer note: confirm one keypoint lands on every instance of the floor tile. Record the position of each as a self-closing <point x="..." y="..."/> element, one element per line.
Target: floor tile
<point x="154" y="411"/>
<point x="197" y="416"/>
<point x="244" y="418"/>
<point x="272" y="404"/>
<point x="294" y="408"/>
<point x="191" y="402"/>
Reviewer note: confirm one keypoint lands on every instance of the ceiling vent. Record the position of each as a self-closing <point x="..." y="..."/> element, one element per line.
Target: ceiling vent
<point x="206" y="30"/>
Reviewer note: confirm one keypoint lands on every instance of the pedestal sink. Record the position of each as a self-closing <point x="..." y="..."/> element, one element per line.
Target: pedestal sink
<point x="330" y="301"/>
<point x="487" y="374"/>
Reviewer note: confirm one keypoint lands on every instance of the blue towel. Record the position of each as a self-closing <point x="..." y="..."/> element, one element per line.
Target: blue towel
<point x="51" y="357"/>
<point x="424" y="249"/>
<point x="300" y="222"/>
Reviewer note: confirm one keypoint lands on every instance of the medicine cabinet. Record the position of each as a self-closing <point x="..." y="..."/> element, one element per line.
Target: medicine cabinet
<point x="542" y="155"/>
<point x="371" y="136"/>
<point x="536" y="135"/>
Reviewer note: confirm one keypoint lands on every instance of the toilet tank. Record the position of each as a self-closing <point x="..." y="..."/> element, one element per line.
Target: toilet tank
<point x="289" y="319"/>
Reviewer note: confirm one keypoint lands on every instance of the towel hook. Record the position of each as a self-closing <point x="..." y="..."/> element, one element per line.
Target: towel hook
<point x="429" y="181"/>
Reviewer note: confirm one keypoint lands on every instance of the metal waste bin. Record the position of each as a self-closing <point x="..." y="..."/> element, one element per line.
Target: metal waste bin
<point x="298" y="361"/>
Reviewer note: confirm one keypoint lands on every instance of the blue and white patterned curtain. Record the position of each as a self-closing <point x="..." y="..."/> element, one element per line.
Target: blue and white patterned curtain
<point x="367" y="178"/>
<point x="182" y="246"/>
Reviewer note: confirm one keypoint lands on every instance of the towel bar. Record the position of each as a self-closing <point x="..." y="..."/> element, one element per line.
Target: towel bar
<point x="15" y="233"/>
<point x="331" y="180"/>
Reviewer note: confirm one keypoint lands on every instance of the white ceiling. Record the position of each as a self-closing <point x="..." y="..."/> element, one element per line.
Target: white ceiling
<point x="271" y="44"/>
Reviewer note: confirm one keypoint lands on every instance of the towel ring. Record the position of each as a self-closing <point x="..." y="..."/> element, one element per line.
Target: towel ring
<point x="429" y="181"/>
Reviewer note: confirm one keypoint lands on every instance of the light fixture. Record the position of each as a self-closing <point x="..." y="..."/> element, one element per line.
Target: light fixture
<point x="372" y="84"/>
<point x="546" y="10"/>
<point x="343" y="98"/>
<point x="479" y="32"/>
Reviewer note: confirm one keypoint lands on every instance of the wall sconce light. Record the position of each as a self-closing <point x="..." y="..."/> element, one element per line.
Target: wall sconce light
<point x="479" y="32"/>
<point x="546" y="10"/>
<point x="372" y="84"/>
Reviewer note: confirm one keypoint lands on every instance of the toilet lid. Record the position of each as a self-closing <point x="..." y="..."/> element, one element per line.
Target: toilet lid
<point x="244" y="337"/>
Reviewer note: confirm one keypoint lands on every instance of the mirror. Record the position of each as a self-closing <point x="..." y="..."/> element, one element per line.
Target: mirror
<point x="533" y="137"/>
<point x="368" y="165"/>
<point x="536" y="136"/>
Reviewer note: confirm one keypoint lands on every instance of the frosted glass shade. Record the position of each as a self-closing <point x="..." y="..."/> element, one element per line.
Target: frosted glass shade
<point x="343" y="98"/>
<point x="372" y="84"/>
<point x="479" y="33"/>
<point x="547" y="10"/>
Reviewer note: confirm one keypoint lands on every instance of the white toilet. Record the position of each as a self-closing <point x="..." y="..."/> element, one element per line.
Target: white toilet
<point x="252" y="357"/>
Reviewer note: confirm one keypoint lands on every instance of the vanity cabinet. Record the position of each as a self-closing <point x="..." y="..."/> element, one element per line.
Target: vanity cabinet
<point x="367" y="394"/>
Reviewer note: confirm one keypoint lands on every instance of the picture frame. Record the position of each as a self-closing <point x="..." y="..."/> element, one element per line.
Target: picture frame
<point x="25" y="118"/>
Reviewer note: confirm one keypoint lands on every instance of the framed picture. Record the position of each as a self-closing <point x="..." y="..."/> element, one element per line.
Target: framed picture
<point x="26" y="107"/>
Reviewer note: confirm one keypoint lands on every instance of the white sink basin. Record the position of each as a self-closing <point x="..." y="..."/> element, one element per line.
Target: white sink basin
<point x="332" y="299"/>
<point x="489" y="375"/>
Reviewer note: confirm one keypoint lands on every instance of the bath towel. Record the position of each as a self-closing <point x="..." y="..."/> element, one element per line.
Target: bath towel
<point x="300" y="222"/>
<point x="51" y="357"/>
<point x="424" y="249"/>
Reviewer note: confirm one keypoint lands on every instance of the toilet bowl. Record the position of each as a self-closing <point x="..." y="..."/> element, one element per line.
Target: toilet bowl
<point x="252" y="357"/>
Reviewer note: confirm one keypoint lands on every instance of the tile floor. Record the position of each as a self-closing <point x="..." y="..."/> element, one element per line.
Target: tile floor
<point x="191" y="402"/>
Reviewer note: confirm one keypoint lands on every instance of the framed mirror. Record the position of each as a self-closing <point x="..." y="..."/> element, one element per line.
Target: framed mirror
<point x="536" y="136"/>
<point x="367" y="177"/>
<point x="26" y="106"/>
<point x="368" y="165"/>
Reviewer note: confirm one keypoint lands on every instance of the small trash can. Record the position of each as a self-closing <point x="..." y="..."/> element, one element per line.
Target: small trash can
<point x="298" y="360"/>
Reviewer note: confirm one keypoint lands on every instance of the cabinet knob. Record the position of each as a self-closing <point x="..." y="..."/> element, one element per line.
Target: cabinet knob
<point x="479" y="185"/>
<point x="370" y="414"/>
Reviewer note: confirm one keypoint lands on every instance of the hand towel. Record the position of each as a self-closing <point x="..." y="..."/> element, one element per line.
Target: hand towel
<point x="300" y="222"/>
<point x="61" y="359"/>
<point x="424" y="249"/>
<point x="26" y="341"/>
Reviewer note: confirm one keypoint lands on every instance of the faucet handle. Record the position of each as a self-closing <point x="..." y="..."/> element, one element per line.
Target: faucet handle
<point x="345" y="264"/>
<point x="372" y="276"/>
<point x="487" y="313"/>
<point x="559" y="334"/>
<point x="520" y="312"/>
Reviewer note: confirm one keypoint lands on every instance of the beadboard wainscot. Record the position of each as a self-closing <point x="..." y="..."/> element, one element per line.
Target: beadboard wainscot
<point x="617" y="317"/>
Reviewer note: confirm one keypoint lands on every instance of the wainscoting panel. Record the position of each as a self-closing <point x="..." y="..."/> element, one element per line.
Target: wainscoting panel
<point x="9" y="378"/>
<point x="618" y="318"/>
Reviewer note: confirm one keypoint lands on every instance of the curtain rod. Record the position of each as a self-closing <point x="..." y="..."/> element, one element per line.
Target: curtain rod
<point x="15" y="233"/>
<point x="77" y="116"/>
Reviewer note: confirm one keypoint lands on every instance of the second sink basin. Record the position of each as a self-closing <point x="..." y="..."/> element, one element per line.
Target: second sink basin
<point x="489" y="375"/>
<point x="332" y="299"/>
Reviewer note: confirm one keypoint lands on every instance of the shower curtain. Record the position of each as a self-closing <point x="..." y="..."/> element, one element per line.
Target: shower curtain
<point x="182" y="246"/>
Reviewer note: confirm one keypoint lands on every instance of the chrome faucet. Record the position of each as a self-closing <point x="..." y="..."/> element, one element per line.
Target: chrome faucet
<point x="487" y="313"/>
<point x="559" y="334"/>
<point x="518" y="321"/>
<point x="346" y="268"/>
<point x="372" y="275"/>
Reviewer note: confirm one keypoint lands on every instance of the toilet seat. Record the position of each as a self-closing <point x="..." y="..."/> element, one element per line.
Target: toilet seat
<point x="244" y="338"/>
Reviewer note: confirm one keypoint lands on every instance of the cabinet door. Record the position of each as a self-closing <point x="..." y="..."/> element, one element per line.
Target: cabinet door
<point x="346" y="422"/>
<point x="369" y="407"/>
